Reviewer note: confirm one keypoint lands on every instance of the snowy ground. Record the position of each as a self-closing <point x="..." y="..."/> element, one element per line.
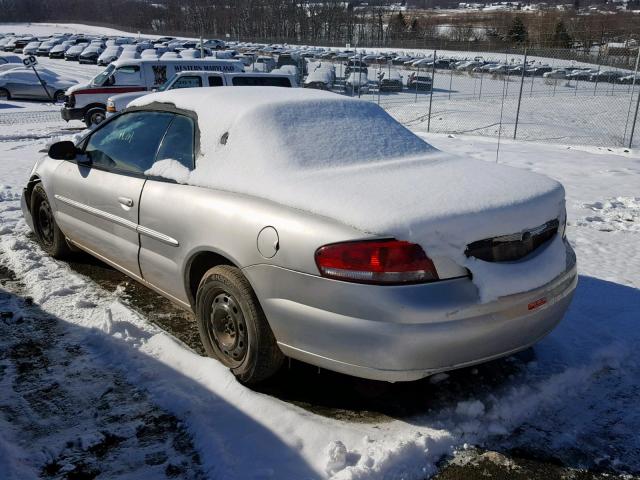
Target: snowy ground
<point x="91" y="384"/>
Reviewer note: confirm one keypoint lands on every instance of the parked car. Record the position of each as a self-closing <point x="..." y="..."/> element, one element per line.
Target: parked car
<point x="87" y="102"/>
<point x="419" y="82"/>
<point x="31" y="48"/>
<point x="198" y="79"/>
<point x="91" y="54"/>
<point x="24" y="84"/>
<point x="45" y="47"/>
<point x="9" y="58"/>
<point x="357" y="81"/>
<point x="606" y="76"/>
<point x="390" y="81"/>
<point x="580" y="75"/>
<point x="557" y="74"/>
<point x="73" y="53"/>
<point x="321" y="78"/>
<point x="110" y="54"/>
<point x="629" y="79"/>
<point x="58" y="51"/>
<point x="17" y="44"/>
<point x="279" y="249"/>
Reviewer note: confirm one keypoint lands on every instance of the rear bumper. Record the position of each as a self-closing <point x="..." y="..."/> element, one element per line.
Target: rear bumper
<point x="68" y="113"/>
<point x="403" y="333"/>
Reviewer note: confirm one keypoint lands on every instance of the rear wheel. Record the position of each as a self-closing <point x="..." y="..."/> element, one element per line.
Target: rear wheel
<point x="95" y="116"/>
<point x="233" y="327"/>
<point x="58" y="97"/>
<point x="4" y="94"/>
<point x="49" y="236"/>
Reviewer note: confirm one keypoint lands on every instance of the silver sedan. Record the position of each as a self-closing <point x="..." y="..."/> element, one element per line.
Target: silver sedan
<point x="23" y="83"/>
<point x="269" y="276"/>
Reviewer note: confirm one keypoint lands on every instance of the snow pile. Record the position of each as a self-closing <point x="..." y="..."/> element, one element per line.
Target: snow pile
<point x="170" y="169"/>
<point x="349" y="160"/>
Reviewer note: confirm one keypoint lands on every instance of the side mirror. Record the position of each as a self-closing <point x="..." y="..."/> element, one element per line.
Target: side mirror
<point x="64" y="150"/>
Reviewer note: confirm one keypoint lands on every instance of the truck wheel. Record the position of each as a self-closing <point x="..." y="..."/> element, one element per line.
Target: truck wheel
<point x="233" y="327"/>
<point x="95" y="116"/>
<point x="4" y="94"/>
<point x="49" y="236"/>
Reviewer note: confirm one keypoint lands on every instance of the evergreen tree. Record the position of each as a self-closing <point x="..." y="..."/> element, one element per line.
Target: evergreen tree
<point x="517" y="32"/>
<point x="561" y="37"/>
<point x="397" y="26"/>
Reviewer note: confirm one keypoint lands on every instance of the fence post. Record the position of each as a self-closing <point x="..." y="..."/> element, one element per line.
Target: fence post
<point x="595" y="87"/>
<point x="635" y="117"/>
<point x="633" y="89"/>
<point x="524" y="62"/>
<point x="481" y="79"/>
<point x="450" y="81"/>
<point x="417" y="81"/>
<point x="433" y="83"/>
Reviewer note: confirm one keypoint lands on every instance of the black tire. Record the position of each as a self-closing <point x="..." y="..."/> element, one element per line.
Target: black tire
<point x="233" y="327"/>
<point x="95" y="116"/>
<point x="4" y="94"/>
<point x="58" y="97"/>
<point x="47" y="232"/>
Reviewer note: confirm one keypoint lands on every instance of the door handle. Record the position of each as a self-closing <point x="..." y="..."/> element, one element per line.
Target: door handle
<point x="127" y="202"/>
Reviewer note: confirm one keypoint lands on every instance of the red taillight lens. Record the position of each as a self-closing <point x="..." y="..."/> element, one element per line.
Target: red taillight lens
<point x="378" y="262"/>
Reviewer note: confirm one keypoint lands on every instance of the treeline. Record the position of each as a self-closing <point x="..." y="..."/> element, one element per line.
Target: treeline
<point x="333" y="22"/>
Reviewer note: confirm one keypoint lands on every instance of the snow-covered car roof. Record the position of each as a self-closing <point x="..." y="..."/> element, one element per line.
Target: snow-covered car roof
<point x="270" y="112"/>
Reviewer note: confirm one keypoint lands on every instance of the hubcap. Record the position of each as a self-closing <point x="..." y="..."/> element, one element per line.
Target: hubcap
<point x="45" y="223"/>
<point x="97" y="118"/>
<point x="227" y="328"/>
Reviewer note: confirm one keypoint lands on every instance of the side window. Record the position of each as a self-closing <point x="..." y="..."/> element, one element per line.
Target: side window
<point x="177" y="143"/>
<point x="127" y="75"/>
<point x="215" y="81"/>
<point x="128" y="143"/>
<point x="187" y="82"/>
<point x="261" y="81"/>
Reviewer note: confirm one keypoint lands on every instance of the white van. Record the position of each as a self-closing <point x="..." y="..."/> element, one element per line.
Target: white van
<point x="88" y="102"/>
<point x="119" y="102"/>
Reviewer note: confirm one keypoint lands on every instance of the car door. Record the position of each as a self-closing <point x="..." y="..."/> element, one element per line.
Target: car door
<point x="97" y="195"/>
<point x="166" y="210"/>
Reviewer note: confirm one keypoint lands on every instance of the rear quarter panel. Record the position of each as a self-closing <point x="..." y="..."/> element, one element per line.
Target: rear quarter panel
<point x="202" y="219"/>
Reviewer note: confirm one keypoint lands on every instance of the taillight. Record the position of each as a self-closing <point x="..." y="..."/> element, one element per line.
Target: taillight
<point x="383" y="262"/>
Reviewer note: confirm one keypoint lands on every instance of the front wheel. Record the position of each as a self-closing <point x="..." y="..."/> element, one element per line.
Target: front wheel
<point x="47" y="232"/>
<point x="95" y="116"/>
<point x="233" y="327"/>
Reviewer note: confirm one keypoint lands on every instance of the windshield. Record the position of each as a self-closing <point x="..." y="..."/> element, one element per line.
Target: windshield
<point x="166" y="84"/>
<point x="101" y="78"/>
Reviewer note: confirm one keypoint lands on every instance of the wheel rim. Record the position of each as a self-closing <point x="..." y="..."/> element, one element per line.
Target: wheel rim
<point x="227" y="329"/>
<point x="4" y="95"/>
<point x="59" y="97"/>
<point x="97" y="118"/>
<point x="45" y="223"/>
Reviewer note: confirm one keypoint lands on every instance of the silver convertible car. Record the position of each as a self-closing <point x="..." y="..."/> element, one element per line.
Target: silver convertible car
<point x="299" y="223"/>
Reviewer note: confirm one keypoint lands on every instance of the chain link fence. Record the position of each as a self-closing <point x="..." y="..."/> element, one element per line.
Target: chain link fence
<point x="550" y="96"/>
